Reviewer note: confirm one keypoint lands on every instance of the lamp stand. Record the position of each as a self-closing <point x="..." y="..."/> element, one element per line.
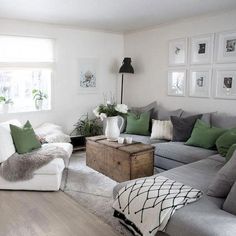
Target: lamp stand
<point x="122" y="85"/>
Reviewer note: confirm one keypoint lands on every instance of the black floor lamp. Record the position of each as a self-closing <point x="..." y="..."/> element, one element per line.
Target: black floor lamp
<point x="126" y="68"/>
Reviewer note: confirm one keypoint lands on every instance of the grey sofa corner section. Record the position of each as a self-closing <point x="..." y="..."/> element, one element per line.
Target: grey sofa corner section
<point x="204" y="217"/>
<point x="180" y="152"/>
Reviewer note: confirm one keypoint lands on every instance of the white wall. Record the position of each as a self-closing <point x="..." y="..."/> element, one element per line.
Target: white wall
<point x="149" y="52"/>
<point x="71" y="44"/>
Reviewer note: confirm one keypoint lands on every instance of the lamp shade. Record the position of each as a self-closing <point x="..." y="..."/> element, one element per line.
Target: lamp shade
<point x="126" y="66"/>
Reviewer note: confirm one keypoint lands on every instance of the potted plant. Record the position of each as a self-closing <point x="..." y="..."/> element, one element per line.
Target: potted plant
<point x="38" y="97"/>
<point x="111" y="112"/>
<point x="88" y="127"/>
<point x="85" y="127"/>
<point x="6" y="102"/>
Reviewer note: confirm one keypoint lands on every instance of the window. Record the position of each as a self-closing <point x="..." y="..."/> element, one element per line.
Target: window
<point x="25" y="73"/>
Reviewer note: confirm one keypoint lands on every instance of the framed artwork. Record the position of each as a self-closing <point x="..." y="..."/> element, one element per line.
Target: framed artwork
<point x="200" y="82"/>
<point x="178" y="52"/>
<point x="88" y="81"/>
<point x="225" y="87"/>
<point x="177" y="82"/>
<point x="202" y="49"/>
<point x="226" y="47"/>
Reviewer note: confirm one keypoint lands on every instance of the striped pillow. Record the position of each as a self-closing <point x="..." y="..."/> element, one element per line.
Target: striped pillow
<point x="162" y="129"/>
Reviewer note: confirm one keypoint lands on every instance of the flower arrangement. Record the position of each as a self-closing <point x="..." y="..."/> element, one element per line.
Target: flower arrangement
<point x="110" y="109"/>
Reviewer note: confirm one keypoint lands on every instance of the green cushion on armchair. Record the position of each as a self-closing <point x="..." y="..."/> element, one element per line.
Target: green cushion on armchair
<point x="24" y="138"/>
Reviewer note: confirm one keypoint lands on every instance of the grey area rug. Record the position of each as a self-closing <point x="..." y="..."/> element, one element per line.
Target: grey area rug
<point x="92" y="190"/>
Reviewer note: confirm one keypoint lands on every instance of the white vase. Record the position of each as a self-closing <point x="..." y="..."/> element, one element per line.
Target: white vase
<point x="112" y="131"/>
<point x="39" y="104"/>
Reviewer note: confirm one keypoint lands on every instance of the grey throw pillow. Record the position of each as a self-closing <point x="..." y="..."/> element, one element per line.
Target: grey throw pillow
<point x="182" y="127"/>
<point x="164" y="114"/>
<point x="230" y="202"/>
<point x="224" y="179"/>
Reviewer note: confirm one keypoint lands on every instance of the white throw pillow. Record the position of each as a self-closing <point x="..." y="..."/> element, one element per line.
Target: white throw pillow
<point x="162" y="129"/>
<point x="7" y="147"/>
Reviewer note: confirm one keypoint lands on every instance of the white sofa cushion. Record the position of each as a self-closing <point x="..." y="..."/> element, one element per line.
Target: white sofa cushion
<point x="52" y="168"/>
<point x="7" y="147"/>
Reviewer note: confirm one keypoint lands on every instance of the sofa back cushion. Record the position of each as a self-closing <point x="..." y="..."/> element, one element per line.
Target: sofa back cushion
<point x="7" y="147"/>
<point x="206" y="117"/>
<point x="224" y="179"/>
<point x="165" y="114"/>
<point x="230" y="202"/>
<point x="151" y="108"/>
<point x="223" y="121"/>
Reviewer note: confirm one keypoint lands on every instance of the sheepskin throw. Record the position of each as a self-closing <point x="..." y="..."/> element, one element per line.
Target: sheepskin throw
<point x="20" y="167"/>
<point x="146" y="205"/>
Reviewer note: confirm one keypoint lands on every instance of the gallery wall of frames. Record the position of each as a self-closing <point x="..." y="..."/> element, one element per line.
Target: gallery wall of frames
<point x="203" y="66"/>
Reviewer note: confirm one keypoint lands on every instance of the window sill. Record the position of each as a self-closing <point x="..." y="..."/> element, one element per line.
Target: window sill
<point x="25" y="112"/>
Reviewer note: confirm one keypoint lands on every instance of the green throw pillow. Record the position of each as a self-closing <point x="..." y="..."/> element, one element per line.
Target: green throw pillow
<point x="230" y="152"/>
<point x="138" y="124"/>
<point x="24" y="138"/>
<point x="204" y="136"/>
<point x="225" y="141"/>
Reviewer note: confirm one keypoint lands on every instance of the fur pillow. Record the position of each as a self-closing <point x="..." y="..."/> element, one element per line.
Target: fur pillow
<point x="162" y="129"/>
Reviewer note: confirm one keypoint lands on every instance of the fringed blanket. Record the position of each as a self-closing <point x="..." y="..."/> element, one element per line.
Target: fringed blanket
<point x="145" y="206"/>
<point x="20" y="167"/>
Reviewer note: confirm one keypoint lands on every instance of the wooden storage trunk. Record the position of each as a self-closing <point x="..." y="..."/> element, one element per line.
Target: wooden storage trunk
<point x="120" y="162"/>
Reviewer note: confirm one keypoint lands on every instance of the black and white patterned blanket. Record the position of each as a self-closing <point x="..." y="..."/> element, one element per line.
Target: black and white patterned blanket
<point x="145" y="206"/>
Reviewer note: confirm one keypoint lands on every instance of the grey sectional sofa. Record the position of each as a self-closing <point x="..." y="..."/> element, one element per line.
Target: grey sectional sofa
<point x="169" y="155"/>
<point x="204" y="217"/>
<point x="195" y="167"/>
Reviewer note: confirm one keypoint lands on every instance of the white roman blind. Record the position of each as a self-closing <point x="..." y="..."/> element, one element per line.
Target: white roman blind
<point x="26" y="49"/>
<point x="26" y="68"/>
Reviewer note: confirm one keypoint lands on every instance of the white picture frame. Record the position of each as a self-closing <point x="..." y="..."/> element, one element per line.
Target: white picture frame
<point x="88" y="79"/>
<point x="200" y="82"/>
<point x="225" y="83"/>
<point x="226" y="47"/>
<point x="201" y="48"/>
<point x="178" y="52"/>
<point x="177" y="82"/>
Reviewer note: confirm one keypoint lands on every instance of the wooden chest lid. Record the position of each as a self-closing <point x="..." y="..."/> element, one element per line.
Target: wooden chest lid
<point x="132" y="148"/>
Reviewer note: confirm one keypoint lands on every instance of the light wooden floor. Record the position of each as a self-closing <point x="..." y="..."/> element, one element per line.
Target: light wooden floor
<point x="49" y="213"/>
